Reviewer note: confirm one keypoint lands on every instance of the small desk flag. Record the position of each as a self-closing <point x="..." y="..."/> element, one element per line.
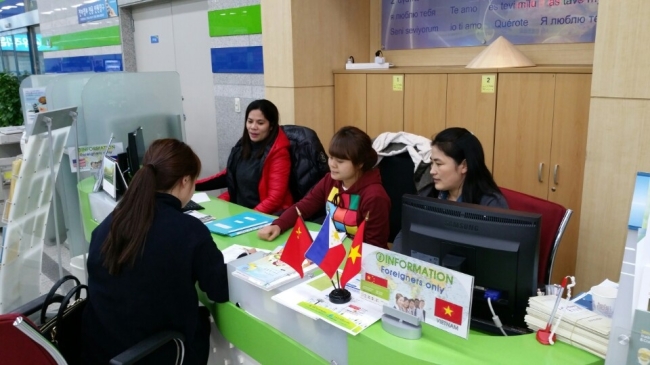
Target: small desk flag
<point x="294" y="250"/>
<point x="327" y="251"/>
<point x="353" y="264"/>
<point x="448" y="311"/>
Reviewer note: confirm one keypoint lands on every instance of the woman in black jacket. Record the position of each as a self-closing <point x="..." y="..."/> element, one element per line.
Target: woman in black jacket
<point x="145" y="259"/>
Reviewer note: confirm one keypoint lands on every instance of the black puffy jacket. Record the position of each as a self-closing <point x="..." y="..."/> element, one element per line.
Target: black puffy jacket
<point x="308" y="160"/>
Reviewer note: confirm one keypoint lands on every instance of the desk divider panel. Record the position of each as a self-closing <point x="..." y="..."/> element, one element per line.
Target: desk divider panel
<point x="118" y="103"/>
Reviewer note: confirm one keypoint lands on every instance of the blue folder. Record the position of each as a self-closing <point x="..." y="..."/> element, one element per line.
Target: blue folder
<point x="239" y="224"/>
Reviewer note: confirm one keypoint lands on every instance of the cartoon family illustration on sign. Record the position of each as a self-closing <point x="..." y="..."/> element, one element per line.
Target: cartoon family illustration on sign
<point x="412" y="306"/>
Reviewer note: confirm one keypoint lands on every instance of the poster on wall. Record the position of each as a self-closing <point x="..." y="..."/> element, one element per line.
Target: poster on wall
<point x="412" y="24"/>
<point x="98" y="10"/>
<point x="436" y="295"/>
<point x="35" y="102"/>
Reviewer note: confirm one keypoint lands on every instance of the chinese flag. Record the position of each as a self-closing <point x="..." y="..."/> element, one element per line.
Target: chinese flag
<point x="353" y="264"/>
<point x="448" y="311"/>
<point x="376" y="280"/>
<point x="296" y="246"/>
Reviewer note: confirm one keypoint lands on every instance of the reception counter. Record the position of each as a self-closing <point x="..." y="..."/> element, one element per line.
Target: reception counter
<point x="270" y="344"/>
<point x="267" y="345"/>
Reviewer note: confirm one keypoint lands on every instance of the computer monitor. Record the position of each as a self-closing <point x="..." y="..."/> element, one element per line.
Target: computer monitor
<point x="135" y="150"/>
<point x="498" y="247"/>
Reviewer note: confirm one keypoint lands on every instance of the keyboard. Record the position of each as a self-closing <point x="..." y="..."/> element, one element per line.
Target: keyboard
<point x="192" y="206"/>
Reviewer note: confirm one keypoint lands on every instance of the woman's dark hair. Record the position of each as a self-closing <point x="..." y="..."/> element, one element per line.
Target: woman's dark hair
<point x="270" y="112"/>
<point x="351" y="143"/>
<point x="166" y="162"/>
<point x="461" y="145"/>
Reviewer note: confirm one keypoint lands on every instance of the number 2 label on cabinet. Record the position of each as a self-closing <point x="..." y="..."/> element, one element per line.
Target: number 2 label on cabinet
<point x="488" y="83"/>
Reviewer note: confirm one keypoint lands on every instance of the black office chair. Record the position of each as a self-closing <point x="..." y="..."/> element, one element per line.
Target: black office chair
<point x="397" y="174"/>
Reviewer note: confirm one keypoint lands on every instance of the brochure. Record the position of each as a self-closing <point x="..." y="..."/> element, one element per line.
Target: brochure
<point x="204" y="218"/>
<point x="311" y="299"/>
<point x="269" y="272"/>
<point x="233" y="252"/>
<point x="239" y="224"/>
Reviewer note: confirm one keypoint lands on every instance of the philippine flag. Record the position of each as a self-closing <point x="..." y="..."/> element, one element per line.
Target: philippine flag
<point x="327" y="251"/>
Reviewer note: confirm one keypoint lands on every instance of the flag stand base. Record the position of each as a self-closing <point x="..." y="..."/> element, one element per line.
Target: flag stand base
<point x="401" y="324"/>
<point x="340" y="296"/>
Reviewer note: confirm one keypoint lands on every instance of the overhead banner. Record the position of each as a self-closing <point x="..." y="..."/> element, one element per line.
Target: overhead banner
<point x="103" y="9"/>
<point x="411" y="24"/>
<point x="436" y="295"/>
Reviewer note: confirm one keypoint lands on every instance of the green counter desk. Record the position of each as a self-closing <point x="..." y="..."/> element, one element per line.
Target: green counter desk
<point x="373" y="346"/>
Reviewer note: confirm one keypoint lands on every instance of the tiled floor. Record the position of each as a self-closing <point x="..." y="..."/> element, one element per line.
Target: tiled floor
<point x="50" y="266"/>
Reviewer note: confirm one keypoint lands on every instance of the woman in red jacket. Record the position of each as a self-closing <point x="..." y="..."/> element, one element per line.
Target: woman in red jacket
<point x="353" y="187"/>
<point x="257" y="173"/>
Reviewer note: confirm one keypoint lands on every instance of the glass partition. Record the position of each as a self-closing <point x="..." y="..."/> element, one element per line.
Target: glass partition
<point x="118" y="103"/>
<point x="65" y="91"/>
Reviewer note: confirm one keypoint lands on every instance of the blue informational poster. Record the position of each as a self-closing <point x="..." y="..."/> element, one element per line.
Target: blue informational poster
<point x="411" y="24"/>
<point x="98" y="10"/>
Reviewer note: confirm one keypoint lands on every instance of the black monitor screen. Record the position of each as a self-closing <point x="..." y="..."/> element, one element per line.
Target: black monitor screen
<point x="498" y="247"/>
<point x="135" y="150"/>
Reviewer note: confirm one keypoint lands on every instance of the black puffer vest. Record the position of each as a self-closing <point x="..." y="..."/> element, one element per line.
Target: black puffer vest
<point x="308" y="160"/>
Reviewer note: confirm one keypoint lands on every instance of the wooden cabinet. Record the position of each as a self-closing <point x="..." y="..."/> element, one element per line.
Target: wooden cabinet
<point x="468" y="107"/>
<point x="385" y="104"/>
<point x="349" y="101"/>
<point x="425" y="103"/>
<point x="533" y="128"/>
<point x="524" y="125"/>
<point x="540" y="145"/>
<point x="429" y="103"/>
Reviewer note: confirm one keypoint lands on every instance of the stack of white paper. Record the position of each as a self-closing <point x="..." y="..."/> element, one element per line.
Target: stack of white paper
<point x="580" y="327"/>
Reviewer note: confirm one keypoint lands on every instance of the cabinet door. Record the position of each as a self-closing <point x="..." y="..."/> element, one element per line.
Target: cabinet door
<point x="568" y="153"/>
<point x="472" y="109"/>
<point x="522" y="144"/>
<point x="349" y="101"/>
<point x="385" y="104"/>
<point x="425" y="99"/>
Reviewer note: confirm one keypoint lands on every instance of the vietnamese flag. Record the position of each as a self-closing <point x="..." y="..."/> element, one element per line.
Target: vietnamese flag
<point x="376" y="280"/>
<point x="353" y="264"/>
<point x="294" y="250"/>
<point x="448" y="311"/>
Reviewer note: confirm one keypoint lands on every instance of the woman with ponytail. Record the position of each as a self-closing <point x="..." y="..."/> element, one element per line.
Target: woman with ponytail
<point x="144" y="260"/>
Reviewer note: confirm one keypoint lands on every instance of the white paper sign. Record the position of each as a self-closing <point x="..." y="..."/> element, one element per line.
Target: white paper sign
<point x="436" y="295"/>
<point x="90" y="157"/>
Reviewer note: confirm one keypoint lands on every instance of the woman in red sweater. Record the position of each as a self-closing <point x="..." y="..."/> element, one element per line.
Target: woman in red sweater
<point x="257" y="173"/>
<point x="353" y="186"/>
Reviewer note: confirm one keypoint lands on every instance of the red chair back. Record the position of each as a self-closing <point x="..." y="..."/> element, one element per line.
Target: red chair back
<point x="553" y="215"/>
<point x="16" y="348"/>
